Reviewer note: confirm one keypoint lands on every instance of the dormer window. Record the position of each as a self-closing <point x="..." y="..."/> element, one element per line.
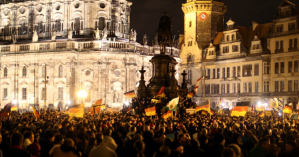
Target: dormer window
<point x="211" y="53"/>
<point x="292" y="26"/>
<point x="189" y="43"/>
<point x="227" y="38"/>
<point x="233" y="37"/>
<point x="235" y="48"/>
<point x="226" y="49"/>
<point x="230" y="27"/>
<point x="279" y="28"/>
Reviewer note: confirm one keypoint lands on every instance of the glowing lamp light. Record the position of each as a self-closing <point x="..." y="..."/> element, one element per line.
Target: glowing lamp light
<point x="15" y="101"/>
<point x="279" y="113"/>
<point x="69" y="102"/>
<point x="222" y="104"/>
<point x="55" y="104"/>
<point x="82" y="94"/>
<point x="259" y="104"/>
<point x="127" y="103"/>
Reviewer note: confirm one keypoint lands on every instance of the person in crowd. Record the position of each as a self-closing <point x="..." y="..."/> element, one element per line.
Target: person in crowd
<point x="16" y="147"/>
<point x="67" y="149"/>
<point x="28" y="139"/>
<point x="260" y="150"/>
<point x="34" y="148"/>
<point x="47" y="144"/>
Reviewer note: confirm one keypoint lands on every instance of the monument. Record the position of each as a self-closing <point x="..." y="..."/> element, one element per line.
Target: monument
<point x="163" y="67"/>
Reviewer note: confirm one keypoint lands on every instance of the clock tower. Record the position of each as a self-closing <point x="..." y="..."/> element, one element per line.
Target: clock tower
<point x="203" y="19"/>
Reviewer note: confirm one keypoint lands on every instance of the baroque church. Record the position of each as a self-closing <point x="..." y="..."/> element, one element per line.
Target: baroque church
<point x="255" y="64"/>
<point x="50" y="50"/>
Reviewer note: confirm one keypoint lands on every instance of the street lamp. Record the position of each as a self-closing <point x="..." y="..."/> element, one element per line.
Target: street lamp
<point x="82" y="94"/>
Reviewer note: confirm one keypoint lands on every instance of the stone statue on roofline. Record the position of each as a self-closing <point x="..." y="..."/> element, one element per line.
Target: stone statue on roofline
<point x="105" y="33"/>
<point x="145" y="38"/>
<point x="53" y="35"/>
<point x="34" y="36"/>
<point x="70" y="34"/>
<point x="97" y="34"/>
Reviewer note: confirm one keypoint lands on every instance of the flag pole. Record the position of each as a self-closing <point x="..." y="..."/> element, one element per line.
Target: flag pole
<point x="204" y="84"/>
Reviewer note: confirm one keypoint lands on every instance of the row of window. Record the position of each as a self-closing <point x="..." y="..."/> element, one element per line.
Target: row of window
<point x="60" y="94"/>
<point x="236" y="88"/>
<point x="24" y="71"/>
<point x="236" y="72"/>
<point x="292" y="86"/>
<point x="293" y="66"/>
<point x="235" y="48"/>
<point x="291" y="26"/>
<point x="293" y="43"/>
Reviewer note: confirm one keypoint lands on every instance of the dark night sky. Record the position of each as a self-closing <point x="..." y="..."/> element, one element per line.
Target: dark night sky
<point x="145" y="14"/>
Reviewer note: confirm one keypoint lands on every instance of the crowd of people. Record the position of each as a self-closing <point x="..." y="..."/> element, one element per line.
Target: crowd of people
<point x="55" y="134"/>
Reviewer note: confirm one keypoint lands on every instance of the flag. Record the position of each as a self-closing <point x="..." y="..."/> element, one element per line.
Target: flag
<point x="167" y="114"/>
<point x="130" y="94"/>
<point x="239" y="111"/>
<point x="262" y="114"/>
<point x="212" y="112"/>
<point x="150" y="111"/>
<point x="204" y="112"/>
<point x="294" y="116"/>
<point x="35" y="113"/>
<point x="131" y="111"/>
<point x="260" y="108"/>
<point x="6" y="110"/>
<point x="220" y="102"/>
<point x="75" y="111"/>
<point x="154" y="101"/>
<point x="190" y="94"/>
<point x="204" y="106"/>
<point x="14" y="108"/>
<point x="173" y="104"/>
<point x="197" y="85"/>
<point x="161" y="92"/>
<point x="98" y="102"/>
<point x="287" y="109"/>
<point x="103" y="106"/>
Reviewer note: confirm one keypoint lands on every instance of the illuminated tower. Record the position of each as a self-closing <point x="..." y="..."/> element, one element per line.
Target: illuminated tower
<point x="203" y="19"/>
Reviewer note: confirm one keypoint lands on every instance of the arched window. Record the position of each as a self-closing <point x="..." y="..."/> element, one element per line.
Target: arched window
<point x="233" y="37"/>
<point x="24" y="71"/>
<point x="58" y="25"/>
<point x="40" y="27"/>
<point x="77" y="23"/>
<point x="227" y="38"/>
<point x="189" y="58"/>
<point x="60" y="72"/>
<point x="5" y="72"/>
<point x="43" y="71"/>
<point x="101" y="23"/>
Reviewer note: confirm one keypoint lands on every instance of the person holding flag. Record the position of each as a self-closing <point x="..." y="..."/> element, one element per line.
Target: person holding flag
<point x="35" y="113"/>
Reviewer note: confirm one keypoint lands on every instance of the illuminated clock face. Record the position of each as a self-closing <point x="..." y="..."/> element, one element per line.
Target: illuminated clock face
<point x="203" y="16"/>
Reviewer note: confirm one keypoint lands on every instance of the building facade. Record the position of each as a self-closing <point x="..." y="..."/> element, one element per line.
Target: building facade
<point x="255" y="64"/>
<point x="71" y="46"/>
<point x="82" y="17"/>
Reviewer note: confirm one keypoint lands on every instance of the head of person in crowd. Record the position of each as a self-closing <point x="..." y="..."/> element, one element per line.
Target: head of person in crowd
<point x="16" y="139"/>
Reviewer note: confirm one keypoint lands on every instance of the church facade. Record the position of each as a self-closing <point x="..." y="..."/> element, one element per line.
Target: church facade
<point x="71" y="46"/>
<point x="255" y="64"/>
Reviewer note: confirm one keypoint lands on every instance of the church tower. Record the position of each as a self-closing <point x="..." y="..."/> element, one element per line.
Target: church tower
<point x="203" y="19"/>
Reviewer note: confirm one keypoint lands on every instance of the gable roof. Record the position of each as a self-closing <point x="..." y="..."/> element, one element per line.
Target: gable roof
<point x="286" y="3"/>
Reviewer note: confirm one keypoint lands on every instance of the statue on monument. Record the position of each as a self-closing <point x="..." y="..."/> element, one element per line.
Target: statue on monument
<point x="164" y="32"/>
